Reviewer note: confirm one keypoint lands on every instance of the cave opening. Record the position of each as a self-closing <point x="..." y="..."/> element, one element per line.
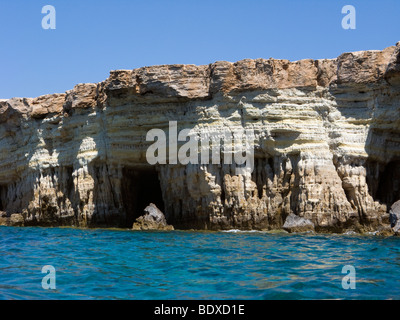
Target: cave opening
<point x="3" y="197"/>
<point x="140" y="187"/>
<point x="388" y="190"/>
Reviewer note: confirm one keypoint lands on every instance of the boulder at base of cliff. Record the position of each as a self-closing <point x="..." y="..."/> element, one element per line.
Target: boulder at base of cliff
<point x="153" y="219"/>
<point x="14" y="220"/>
<point x="394" y="217"/>
<point x="295" y="223"/>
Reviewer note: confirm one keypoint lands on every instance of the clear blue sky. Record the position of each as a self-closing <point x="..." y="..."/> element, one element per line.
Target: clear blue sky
<point x="93" y="37"/>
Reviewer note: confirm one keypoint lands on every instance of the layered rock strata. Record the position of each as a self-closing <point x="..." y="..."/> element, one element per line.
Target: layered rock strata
<point x="327" y="146"/>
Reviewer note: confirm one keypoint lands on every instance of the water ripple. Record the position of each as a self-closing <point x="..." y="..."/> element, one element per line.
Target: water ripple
<point x="112" y="264"/>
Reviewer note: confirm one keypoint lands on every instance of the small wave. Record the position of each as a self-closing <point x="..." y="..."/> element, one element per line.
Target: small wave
<point x="351" y="233"/>
<point x="247" y="264"/>
<point x="243" y="231"/>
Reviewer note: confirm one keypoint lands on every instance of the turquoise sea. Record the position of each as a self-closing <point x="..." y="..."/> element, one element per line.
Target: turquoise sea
<point x="118" y="264"/>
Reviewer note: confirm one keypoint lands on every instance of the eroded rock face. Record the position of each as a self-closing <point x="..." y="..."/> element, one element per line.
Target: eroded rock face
<point x="327" y="145"/>
<point x="153" y="219"/>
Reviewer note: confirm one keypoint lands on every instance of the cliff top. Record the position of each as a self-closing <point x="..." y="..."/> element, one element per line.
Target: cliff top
<point x="184" y="82"/>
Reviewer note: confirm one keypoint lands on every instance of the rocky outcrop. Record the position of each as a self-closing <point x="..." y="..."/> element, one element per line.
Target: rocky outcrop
<point x="12" y="220"/>
<point x="326" y="134"/>
<point x="153" y="219"/>
<point x="295" y="223"/>
<point x="395" y="217"/>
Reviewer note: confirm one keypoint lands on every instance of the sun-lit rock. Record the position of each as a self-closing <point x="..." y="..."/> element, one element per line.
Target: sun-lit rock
<point x="327" y="145"/>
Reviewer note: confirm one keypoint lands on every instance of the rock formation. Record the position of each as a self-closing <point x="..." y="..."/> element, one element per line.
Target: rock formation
<point x="327" y="145"/>
<point x="153" y="219"/>
<point x="295" y="223"/>
<point x="395" y="217"/>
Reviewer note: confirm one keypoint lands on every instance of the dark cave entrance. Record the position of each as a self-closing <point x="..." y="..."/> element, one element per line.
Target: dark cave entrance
<point x="388" y="190"/>
<point x="140" y="187"/>
<point x="3" y="197"/>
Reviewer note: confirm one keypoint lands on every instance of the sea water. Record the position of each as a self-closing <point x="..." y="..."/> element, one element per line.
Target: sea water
<point x="119" y="264"/>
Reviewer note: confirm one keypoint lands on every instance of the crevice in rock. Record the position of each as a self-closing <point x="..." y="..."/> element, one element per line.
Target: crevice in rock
<point x="223" y="197"/>
<point x="259" y="176"/>
<point x="374" y="169"/>
<point x="271" y="164"/>
<point x="3" y="197"/>
<point x="292" y="181"/>
<point x="69" y="181"/>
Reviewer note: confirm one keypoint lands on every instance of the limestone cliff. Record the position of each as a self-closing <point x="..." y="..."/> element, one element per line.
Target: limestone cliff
<point x="327" y="138"/>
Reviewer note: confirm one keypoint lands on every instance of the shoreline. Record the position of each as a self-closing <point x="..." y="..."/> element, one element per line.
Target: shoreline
<point x="230" y="231"/>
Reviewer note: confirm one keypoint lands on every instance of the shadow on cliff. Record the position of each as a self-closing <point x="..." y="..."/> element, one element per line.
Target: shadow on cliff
<point x="383" y="163"/>
<point x="374" y="106"/>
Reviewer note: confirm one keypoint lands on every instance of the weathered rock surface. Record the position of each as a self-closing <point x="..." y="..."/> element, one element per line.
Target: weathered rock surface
<point x="394" y="217"/>
<point x="14" y="220"/>
<point x="327" y="145"/>
<point x="153" y="219"/>
<point x="295" y="223"/>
